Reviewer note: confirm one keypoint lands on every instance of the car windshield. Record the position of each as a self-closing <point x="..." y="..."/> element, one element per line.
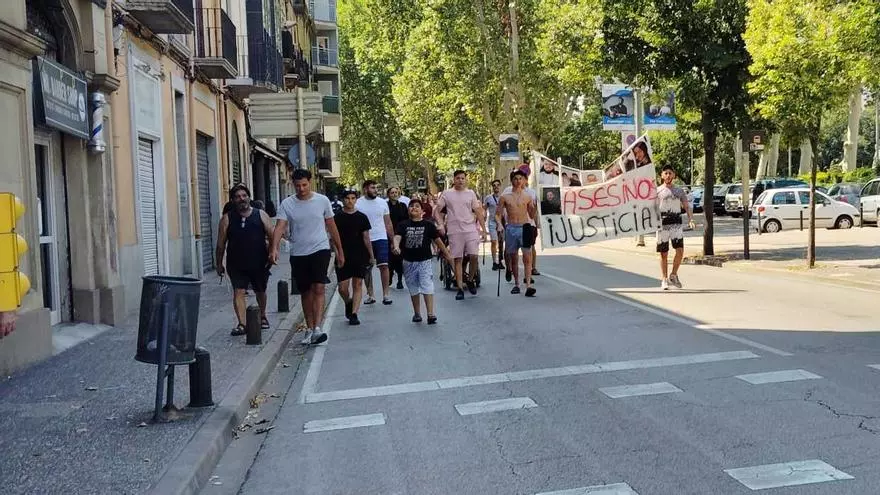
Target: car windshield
<point x="719" y="189"/>
<point x="736" y="189"/>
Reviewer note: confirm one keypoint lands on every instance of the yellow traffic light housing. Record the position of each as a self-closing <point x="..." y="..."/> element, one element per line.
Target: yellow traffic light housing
<point x="13" y="284"/>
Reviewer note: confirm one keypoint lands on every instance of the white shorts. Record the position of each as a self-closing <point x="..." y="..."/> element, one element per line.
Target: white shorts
<point x="419" y="276"/>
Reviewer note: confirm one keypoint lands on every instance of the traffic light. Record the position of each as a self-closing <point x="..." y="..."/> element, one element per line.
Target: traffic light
<point x="13" y="284"/>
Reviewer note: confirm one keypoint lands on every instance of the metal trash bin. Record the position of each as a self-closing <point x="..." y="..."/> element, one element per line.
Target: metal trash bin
<point x="182" y="295"/>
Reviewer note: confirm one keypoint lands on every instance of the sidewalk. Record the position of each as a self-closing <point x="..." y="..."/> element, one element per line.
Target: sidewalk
<point x="79" y="422"/>
<point x="848" y="257"/>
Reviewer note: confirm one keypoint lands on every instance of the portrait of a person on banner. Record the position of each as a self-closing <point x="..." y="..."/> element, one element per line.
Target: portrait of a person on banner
<point x="549" y="175"/>
<point x="551" y="203"/>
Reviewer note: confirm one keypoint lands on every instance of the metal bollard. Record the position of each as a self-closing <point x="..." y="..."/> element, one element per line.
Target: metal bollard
<point x="283" y="297"/>
<point x="200" y="394"/>
<point x="759" y="223"/>
<point x="252" y="326"/>
<point x="802" y="220"/>
<point x="861" y="215"/>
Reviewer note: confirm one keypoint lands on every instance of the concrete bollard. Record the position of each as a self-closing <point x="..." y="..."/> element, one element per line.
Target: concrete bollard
<point x="252" y="326"/>
<point x="200" y="390"/>
<point x="283" y="297"/>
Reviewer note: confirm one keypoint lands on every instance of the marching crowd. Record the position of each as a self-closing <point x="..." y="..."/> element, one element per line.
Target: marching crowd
<point x="399" y="236"/>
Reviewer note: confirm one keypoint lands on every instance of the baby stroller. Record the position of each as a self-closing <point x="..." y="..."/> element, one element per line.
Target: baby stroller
<point x="447" y="271"/>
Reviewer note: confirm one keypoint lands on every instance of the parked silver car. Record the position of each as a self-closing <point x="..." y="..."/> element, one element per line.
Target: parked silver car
<point x="870" y="201"/>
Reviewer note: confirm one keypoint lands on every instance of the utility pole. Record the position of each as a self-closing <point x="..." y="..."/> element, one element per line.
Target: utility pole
<point x="876" y="131"/>
<point x="301" y="125"/>
<point x="746" y="203"/>
<point x="640" y="240"/>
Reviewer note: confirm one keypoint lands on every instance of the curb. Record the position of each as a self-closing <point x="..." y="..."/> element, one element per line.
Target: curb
<point x="867" y="286"/>
<point x="191" y="468"/>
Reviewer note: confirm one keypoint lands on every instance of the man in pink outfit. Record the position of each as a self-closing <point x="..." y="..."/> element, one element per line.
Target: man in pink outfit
<point x="460" y="214"/>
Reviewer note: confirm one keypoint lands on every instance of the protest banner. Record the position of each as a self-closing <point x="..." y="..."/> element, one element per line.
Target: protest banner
<point x="623" y="205"/>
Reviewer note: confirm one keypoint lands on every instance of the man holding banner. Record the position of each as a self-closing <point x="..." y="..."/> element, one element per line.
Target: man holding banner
<point x="520" y="209"/>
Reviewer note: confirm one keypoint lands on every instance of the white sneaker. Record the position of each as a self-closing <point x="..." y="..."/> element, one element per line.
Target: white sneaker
<point x="673" y="279"/>
<point x="313" y="337"/>
<point x="307" y="338"/>
<point x="664" y="284"/>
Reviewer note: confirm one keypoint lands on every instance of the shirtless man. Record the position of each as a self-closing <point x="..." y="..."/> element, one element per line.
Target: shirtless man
<point x="519" y="233"/>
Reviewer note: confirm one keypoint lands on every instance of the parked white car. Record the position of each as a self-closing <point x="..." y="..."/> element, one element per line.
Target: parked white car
<point x="781" y="209"/>
<point x="870" y="201"/>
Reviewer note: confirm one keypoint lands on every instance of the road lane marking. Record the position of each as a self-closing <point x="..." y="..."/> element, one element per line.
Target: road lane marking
<point x="494" y="406"/>
<point x="786" y="474"/>
<point x="778" y="376"/>
<point x="641" y="389"/>
<point x="669" y="316"/>
<point x="519" y="376"/>
<point x="615" y="489"/>
<point x="344" y="423"/>
<point x="311" y="381"/>
<point x="875" y="366"/>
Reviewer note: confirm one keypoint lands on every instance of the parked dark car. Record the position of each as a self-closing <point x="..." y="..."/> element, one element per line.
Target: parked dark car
<point x="718" y="196"/>
<point x="697" y="204"/>
<point x="848" y="192"/>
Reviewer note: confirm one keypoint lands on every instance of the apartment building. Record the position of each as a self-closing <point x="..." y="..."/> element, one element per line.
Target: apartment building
<point x="325" y="54"/>
<point x="126" y="124"/>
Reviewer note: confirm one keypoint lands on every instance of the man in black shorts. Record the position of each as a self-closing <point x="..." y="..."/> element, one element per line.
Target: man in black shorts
<point x="354" y="232"/>
<point x="310" y="218"/>
<point x="243" y="235"/>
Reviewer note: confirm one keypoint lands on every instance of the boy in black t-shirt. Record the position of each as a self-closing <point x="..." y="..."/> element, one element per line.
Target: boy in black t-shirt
<point x="412" y="240"/>
<point x="354" y="234"/>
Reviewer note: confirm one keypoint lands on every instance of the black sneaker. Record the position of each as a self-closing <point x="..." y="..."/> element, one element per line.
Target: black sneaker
<point x="353" y="319"/>
<point x="472" y="287"/>
<point x="501" y="266"/>
<point x="387" y="301"/>
<point x="459" y="295"/>
<point x="399" y="285"/>
<point x="515" y="289"/>
<point x="495" y="267"/>
<point x="417" y="318"/>
<point x="349" y="306"/>
<point x="508" y="275"/>
<point x="535" y="271"/>
<point x="432" y="320"/>
<point x="530" y="292"/>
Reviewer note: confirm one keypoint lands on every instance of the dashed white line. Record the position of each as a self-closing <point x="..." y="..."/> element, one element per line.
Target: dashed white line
<point x="518" y="376"/>
<point x="778" y="376"/>
<point x="614" y="489"/>
<point x="641" y="389"/>
<point x="670" y="316"/>
<point x="787" y="474"/>
<point x="344" y="423"/>
<point x="495" y="406"/>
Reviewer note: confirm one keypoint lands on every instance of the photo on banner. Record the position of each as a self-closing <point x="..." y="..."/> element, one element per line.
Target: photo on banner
<point x="659" y="110"/>
<point x="623" y="205"/>
<point x="548" y="170"/>
<point x="618" y="107"/>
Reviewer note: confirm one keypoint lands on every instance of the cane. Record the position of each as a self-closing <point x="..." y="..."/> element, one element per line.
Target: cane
<point x="499" y="284"/>
<point x="483" y="248"/>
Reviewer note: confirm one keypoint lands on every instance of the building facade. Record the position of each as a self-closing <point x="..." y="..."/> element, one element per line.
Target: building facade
<point x="126" y="124"/>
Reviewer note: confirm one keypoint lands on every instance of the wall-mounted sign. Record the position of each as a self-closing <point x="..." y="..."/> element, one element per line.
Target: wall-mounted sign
<point x="754" y="140"/>
<point x="60" y="98"/>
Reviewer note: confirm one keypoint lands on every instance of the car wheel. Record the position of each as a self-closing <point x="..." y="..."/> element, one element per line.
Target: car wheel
<point x="772" y="226"/>
<point x="843" y="222"/>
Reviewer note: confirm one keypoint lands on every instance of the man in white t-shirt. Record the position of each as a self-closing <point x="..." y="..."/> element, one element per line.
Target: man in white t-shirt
<point x="310" y="218"/>
<point x="381" y="232"/>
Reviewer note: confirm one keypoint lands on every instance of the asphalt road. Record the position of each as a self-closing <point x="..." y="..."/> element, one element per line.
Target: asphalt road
<point x="604" y="380"/>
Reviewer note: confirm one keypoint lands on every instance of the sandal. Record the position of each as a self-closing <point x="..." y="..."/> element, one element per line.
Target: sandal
<point x="369" y="300"/>
<point x="264" y="324"/>
<point x="238" y="330"/>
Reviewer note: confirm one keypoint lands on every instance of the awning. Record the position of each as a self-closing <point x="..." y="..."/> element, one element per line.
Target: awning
<point x="267" y="151"/>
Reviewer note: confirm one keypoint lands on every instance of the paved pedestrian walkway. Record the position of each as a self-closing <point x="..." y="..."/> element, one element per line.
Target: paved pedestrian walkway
<point x="79" y="422"/>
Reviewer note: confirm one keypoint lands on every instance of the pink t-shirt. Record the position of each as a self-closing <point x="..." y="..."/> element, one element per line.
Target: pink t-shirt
<point x="460" y="206"/>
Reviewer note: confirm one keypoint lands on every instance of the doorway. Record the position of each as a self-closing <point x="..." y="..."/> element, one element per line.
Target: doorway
<point x="52" y="226"/>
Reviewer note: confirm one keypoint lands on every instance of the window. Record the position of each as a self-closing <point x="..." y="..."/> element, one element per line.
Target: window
<point x="805" y="197"/>
<point x="784" y="198"/>
<point x="871" y="189"/>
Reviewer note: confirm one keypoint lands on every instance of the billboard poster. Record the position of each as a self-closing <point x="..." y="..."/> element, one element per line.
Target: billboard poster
<point x="618" y="107"/>
<point x="623" y="205"/>
<point x="508" y="145"/>
<point x="659" y="110"/>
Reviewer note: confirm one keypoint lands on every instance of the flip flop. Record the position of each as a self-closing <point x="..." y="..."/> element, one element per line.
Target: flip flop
<point x="238" y="330"/>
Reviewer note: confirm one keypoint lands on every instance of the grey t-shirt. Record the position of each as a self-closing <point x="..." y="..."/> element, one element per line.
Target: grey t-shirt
<point x="305" y="218"/>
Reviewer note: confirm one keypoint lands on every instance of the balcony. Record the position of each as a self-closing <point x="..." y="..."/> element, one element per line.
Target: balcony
<point x="326" y="60"/>
<point x="216" y="51"/>
<point x="329" y="169"/>
<point x="323" y="12"/>
<point x="331" y="104"/>
<point x="260" y="65"/>
<point x="163" y="16"/>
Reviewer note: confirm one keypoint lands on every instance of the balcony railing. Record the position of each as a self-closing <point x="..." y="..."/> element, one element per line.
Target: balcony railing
<point x="323" y="10"/>
<point x="331" y="104"/>
<point x="216" y="51"/>
<point x="260" y="65"/>
<point x="163" y="16"/>
<point x="326" y="57"/>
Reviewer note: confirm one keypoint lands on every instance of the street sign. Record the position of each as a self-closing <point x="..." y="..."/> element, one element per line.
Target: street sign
<point x="509" y="147"/>
<point x="754" y="140"/>
<point x="274" y="115"/>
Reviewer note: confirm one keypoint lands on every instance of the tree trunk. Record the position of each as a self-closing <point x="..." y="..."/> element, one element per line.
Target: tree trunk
<point x="737" y="158"/>
<point x="806" y="157"/>
<point x="430" y="175"/>
<point x="851" y="140"/>
<point x="773" y="157"/>
<point x="710" y="137"/>
<point x="763" y="161"/>
<point x="877" y="132"/>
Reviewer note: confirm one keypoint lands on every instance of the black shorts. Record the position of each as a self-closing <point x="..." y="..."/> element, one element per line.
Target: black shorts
<point x="663" y="247"/>
<point x="255" y="278"/>
<point x="351" y="270"/>
<point x="310" y="269"/>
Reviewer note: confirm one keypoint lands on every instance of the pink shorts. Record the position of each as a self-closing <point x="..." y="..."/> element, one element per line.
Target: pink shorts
<point x="461" y="244"/>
